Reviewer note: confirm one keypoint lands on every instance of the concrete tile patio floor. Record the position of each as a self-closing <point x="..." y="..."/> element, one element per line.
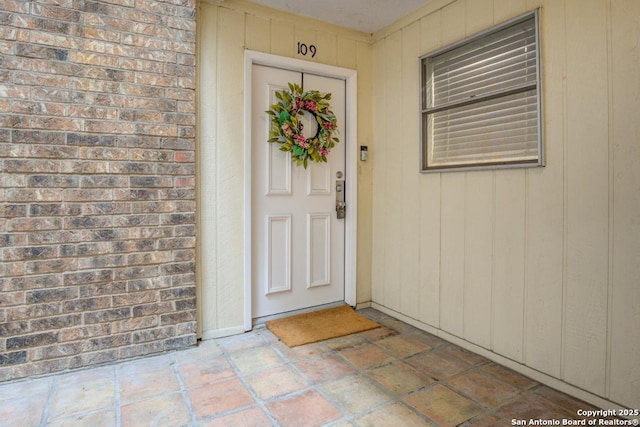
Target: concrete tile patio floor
<point x="391" y="376"/>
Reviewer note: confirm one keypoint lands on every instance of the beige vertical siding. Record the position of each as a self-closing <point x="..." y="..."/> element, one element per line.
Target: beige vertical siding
<point x="587" y="194"/>
<point x="624" y="207"/>
<point x="539" y="266"/>
<point x="226" y="29"/>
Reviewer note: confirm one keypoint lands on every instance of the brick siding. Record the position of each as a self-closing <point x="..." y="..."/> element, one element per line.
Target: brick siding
<point x="97" y="182"/>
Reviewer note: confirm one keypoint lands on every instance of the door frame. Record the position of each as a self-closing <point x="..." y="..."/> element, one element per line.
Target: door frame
<point x="349" y="136"/>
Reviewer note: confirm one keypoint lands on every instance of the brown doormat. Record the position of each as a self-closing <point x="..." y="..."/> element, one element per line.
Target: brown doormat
<point x="319" y="325"/>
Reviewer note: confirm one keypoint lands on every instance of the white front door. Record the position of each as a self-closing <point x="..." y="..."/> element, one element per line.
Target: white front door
<point x="297" y="239"/>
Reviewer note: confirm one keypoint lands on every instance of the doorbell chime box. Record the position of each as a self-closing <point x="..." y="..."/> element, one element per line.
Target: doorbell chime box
<point x="364" y="153"/>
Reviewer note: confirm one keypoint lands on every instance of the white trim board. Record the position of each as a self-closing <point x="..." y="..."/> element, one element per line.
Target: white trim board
<point x="350" y="138"/>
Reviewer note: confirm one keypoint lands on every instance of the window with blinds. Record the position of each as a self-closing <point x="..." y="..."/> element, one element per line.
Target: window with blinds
<point x="481" y="100"/>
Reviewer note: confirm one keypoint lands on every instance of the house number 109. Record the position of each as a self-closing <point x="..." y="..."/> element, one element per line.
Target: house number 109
<point x="303" y="49"/>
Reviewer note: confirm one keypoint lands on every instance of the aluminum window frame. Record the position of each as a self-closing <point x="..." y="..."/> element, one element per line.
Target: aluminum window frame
<point x="424" y="111"/>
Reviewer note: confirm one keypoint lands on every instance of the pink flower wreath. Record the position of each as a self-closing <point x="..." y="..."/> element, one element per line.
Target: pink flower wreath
<point x="286" y="128"/>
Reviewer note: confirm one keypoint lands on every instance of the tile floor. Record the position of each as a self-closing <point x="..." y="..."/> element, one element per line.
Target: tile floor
<point x="391" y="376"/>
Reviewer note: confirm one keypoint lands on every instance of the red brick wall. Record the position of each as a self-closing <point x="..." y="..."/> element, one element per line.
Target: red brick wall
<point x="97" y="181"/>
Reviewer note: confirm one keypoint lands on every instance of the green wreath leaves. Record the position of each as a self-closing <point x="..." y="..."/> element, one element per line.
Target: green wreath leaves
<point x="286" y="128"/>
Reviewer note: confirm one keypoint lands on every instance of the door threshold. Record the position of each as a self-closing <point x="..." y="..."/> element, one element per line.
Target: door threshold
<point x="260" y="321"/>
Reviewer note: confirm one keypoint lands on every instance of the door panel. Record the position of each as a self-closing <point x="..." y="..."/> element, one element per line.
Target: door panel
<point x="278" y="253"/>
<point x="297" y="240"/>
<point x="318" y="249"/>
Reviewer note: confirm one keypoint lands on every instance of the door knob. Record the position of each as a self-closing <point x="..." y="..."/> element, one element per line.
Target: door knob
<point x="341" y="206"/>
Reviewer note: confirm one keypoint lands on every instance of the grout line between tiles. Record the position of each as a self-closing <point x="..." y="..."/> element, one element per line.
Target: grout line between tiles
<point x="47" y="406"/>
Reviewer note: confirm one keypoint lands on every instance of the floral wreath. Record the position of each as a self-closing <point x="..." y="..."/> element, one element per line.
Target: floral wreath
<point x="286" y="128"/>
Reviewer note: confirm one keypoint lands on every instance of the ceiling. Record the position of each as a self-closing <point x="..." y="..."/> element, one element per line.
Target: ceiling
<point x="368" y="16"/>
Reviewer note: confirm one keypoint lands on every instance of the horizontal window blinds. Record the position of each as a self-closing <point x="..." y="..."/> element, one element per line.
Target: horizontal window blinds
<point x="480" y="100"/>
<point x="486" y="132"/>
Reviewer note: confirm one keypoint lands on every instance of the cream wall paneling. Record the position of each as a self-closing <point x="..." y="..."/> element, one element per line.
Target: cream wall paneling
<point x="624" y="292"/>
<point x="536" y="268"/>
<point x="587" y="183"/>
